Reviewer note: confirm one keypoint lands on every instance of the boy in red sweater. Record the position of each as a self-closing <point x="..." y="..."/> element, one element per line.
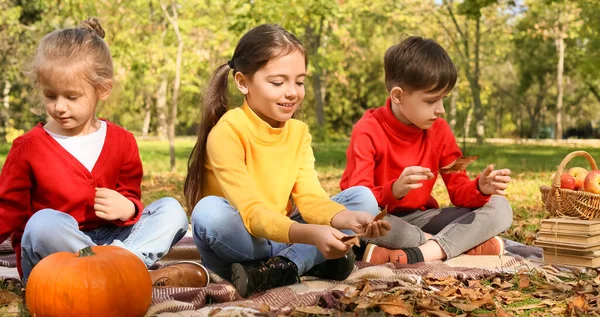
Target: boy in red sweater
<point x="397" y="151"/>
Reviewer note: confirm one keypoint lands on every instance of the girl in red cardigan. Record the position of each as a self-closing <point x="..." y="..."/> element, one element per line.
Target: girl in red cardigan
<point x="75" y="181"/>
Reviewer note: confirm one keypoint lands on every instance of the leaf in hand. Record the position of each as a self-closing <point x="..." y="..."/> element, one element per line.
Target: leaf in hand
<point x="352" y="239"/>
<point x="381" y="214"/>
<point x="459" y="165"/>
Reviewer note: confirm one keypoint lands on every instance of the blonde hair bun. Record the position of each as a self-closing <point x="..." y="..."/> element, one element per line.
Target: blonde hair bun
<point x="94" y="25"/>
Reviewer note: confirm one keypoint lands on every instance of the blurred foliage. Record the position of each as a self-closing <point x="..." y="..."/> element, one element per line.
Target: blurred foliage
<point x="346" y="40"/>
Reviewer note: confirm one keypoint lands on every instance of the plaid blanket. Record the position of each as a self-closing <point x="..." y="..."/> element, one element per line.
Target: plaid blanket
<point x="220" y="294"/>
<point x="221" y="298"/>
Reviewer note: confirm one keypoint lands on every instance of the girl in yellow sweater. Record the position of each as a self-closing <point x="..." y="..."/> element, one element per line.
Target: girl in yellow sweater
<point x="260" y="215"/>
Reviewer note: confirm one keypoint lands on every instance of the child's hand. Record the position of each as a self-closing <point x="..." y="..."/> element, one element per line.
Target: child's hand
<point x="327" y="240"/>
<point x="360" y="222"/>
<point x="111" y="205"/>
<point x="377" y="229"/>
<point x="410" y="179"/>
<point x="494" y="182"/>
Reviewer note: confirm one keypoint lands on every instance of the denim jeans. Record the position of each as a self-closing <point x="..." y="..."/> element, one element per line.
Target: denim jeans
<point x="455" y="229"/>
<point x="222" y="238"/>
<point x="48" y="231"/>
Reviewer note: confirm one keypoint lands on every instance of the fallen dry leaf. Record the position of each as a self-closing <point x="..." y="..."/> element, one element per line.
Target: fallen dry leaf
<point x="366" y="289"/>
<point x="438" y="313"/>
<point x="558" y="310"/>
<point x="474" y="283"/>
<point x="579" y="302"/>
<point x="12" y="309"/>
<point x="448" y="292"/>
<point x="448" y="280"/>
<point x="396" y="306"/>
<point x="561" y="287"/>
<point x="428" y="304"/>
<point x="265" y="308"/>
<point x="473" y="305"/>
<point x="500" y="312"/>
<point x="523" y="282"/>
<point x="500" y="283"/>
<point x="7" y="297"/>
<point x="469" y="293"/>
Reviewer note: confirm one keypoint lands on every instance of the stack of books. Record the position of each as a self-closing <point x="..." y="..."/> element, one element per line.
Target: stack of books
<point x="570" y="242"/>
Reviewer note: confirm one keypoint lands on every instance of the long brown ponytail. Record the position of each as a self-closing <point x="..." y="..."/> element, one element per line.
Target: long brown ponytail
<point x="253" y="51"/>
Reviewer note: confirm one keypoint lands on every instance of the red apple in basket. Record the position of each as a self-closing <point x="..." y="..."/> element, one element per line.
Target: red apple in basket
<point x="567" y="181"/>
<point x="592" y="182"/>
<point x="579" y="173"/>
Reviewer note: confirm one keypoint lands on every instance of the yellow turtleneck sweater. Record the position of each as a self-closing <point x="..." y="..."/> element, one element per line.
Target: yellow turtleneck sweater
<point x="257" y="168"/>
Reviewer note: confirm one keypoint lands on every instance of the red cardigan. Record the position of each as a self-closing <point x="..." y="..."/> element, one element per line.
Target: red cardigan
<point x="39" y="173"/>
<point x="381" y="147"/>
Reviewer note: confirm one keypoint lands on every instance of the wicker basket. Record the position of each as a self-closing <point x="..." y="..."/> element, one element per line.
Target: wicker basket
<point x="565" y="202"/>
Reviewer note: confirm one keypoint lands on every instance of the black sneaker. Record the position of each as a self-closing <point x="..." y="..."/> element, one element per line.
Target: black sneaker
<point x="252" y="277"/>
<point x="336" y="269"/>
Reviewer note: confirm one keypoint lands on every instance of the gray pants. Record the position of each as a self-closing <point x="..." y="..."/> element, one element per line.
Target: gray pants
<point x="455" y="229"/>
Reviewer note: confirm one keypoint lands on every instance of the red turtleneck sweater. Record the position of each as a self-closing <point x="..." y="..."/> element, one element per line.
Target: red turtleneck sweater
<point x="381" y="147"/>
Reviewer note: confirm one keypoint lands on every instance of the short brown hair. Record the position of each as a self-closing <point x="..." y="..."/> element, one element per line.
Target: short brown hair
<point x="418" y="63"/>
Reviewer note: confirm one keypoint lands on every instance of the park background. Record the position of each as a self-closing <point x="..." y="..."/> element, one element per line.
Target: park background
<point x="528" y="91"/>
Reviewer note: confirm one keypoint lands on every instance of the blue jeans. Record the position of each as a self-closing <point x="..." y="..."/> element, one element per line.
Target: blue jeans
<point x="48" y="231"/>
<point x="222" y="238"/>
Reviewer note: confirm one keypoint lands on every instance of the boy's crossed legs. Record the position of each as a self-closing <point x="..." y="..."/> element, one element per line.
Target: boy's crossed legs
<point x="438" y="234"/>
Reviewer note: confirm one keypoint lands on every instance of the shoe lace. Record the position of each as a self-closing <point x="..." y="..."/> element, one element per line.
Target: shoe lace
<point x="273" y="273"/>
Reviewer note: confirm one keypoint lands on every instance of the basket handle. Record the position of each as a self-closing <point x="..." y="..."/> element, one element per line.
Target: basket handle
<point x="566" y="160"/>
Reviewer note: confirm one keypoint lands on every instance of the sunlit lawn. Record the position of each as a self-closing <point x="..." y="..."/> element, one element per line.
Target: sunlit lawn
<point x="532" y="166"/>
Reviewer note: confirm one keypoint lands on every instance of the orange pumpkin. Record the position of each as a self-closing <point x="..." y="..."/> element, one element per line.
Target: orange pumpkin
<point x="97" y="281"/>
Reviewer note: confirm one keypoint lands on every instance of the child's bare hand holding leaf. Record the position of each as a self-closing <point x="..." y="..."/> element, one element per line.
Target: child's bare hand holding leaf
<point x="361" y="222"/>
<point x="111" y="205"/>
<point x="411" y="178"/>
<point x="325" y="238"/>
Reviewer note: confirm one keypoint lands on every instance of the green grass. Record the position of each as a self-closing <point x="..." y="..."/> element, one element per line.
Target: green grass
<point x="531" y="166"/>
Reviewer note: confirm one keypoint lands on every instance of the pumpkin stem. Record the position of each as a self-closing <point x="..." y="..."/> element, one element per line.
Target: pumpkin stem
<point x="87" y="251"/>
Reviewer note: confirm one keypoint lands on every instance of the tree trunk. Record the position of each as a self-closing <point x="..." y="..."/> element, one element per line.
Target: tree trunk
<point x="319" y="101"/>
<point x="147" y="115"/>
<point x="313" y="38"/>
<point x="472" y="74"/>
<point x="161" y="104"/>
<point x="520" y="121"/>
<point x="594" y="91"/>
<point x="476" y="89"/>
<point x="453" y="99"/>
<point x="499" y="114"/>
<point x="477" y="109"/>
<point x="560" y="68"/>
<point x="173" y="115"/>
<point x="468" y="121"/>
<point x="6" y="104"/>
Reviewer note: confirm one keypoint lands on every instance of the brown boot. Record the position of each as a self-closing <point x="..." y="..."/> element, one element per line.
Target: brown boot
<point x="181" y="274"/>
